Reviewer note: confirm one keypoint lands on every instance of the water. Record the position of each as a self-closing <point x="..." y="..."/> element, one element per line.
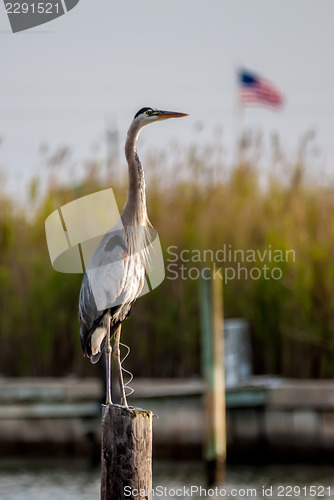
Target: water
<point x="48" y="481"/>
<point x="74" y="481"/>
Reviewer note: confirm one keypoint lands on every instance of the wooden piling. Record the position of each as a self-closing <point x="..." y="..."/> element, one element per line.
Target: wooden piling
<point x="213" y="371"/>
<point x="126" y="453"/>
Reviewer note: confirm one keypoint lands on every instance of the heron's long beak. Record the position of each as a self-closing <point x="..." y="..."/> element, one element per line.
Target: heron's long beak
<point x="163" y="115"/>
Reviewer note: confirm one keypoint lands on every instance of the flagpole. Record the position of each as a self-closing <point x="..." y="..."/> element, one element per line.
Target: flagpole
<point x="239" y="117"/>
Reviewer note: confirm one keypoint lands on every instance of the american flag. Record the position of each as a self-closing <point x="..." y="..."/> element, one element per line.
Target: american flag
<point x="257" y="90"/>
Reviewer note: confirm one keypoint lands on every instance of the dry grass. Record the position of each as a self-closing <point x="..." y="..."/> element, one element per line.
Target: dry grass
<point x="195" y="203"/>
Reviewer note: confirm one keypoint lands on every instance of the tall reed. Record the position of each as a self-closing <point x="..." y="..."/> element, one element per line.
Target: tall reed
<point x="197" y="203"/>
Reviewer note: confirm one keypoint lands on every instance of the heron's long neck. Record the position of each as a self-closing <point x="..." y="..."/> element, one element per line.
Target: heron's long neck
<point x="135" y="207"/>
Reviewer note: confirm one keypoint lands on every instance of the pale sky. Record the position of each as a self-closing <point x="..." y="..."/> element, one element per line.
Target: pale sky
<point x="62" y="83"/>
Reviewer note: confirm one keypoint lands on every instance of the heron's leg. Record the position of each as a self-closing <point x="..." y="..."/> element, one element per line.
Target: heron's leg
<point x="117" y="355"/>
<point x="108" y="366"/>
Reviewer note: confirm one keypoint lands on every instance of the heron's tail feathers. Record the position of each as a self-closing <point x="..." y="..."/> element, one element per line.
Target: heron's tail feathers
<point x="93" y="343"/>
<point x="94" y="358"/>
<point x="97" y="341"/>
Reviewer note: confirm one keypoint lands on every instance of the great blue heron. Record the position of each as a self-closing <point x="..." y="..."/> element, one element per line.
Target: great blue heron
<point x="126" y="250"/>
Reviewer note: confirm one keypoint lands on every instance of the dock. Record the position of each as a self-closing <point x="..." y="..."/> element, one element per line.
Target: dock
<point x="268" y="419"/>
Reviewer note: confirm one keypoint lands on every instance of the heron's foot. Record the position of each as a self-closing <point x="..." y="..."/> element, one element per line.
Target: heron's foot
<point x="107" y="403"/>
<point x="129" y="409"/>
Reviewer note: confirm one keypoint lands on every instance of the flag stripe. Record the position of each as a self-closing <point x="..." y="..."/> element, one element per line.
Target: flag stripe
<point x="256" y="90"/>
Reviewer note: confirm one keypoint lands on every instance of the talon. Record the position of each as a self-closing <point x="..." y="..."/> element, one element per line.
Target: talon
<point x="126" y="408"/>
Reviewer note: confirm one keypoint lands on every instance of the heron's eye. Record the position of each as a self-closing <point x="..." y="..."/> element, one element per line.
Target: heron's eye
<point x="148" y="112"/>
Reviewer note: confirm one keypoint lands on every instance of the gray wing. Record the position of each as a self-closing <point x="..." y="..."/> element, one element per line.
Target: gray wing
<point x="113" y="278"/>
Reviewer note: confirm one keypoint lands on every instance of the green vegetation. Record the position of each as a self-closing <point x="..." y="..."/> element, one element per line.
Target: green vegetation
<point x="196" y="203"/>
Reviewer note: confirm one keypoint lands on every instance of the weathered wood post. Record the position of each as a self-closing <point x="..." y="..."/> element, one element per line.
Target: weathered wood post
<point x="213" y="371"/>
<point x="126" y="453"/>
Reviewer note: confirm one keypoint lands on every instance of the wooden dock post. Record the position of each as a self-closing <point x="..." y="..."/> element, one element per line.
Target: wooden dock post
<point x="126" y="453"/>
<point x="213" y="371"/>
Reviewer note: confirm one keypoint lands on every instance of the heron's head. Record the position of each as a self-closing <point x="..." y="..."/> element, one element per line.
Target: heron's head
<point x="150" y="115"/>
